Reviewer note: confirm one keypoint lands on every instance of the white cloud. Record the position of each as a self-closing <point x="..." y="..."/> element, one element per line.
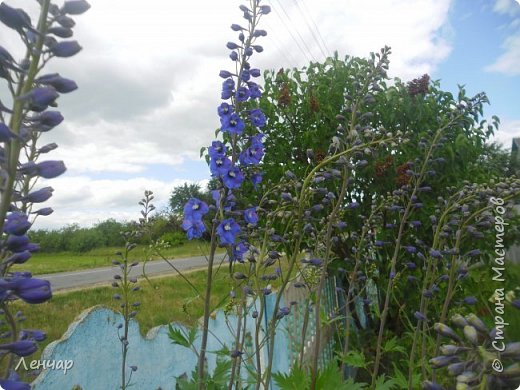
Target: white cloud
<point x="149" y="86"/>
<point x="508" y="129"/>
<point x="80" y="199"/>
<point x="508" y="7"/>
<point x="507" y="62"/>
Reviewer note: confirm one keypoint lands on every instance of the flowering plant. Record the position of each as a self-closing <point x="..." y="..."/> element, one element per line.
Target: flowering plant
<point x="22" y="121"/>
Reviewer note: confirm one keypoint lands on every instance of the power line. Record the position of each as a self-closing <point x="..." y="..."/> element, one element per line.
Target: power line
<point x="297" y="32"/>
<point x="316" y="27"/>
<point x="310" y="29"/>
<point x="279" y="46"/>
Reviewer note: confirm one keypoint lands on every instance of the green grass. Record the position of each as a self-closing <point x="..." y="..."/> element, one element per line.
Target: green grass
<point x="46" y="263"/>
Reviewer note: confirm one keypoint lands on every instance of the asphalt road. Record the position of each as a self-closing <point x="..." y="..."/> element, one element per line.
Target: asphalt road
<point x="105" y="275"/>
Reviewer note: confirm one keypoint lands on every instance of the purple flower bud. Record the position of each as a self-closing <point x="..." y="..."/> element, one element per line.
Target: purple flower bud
<point x="34" y="334"/>
<point x="411" y="279"/>
<point x="40" y="195"/>
<point x="449" y="349"/>
<point x="435" y="254"/>
<point x="516" y="304"/>
<point x="456" y="368"/>
<point x="5" y="133"/>
<point x="65" y="49"/>
<point x="16" y="223"/>
<point x="446" y="331"/>
<point x="40" y="98"/>
<point x="237" y="27"/>
<point x="30" y="290"/>
<point x="65" y="21"/>
<point x="410" y="249"/>
<point x="471" y="334"/>
<point x="420" y="316"/>
<point x="50" y="169"/>
<point x="61" y="32"/>
<point x="265" y="9"/>
<point x="48" y="120"/>
<point x="427" y="385"/>
<point x="19" y="257"/>
<point x="411" y="265"/>
<point x="75" y="7"/>
<point x="44" y="211"/>
<point x="14" y="18"/>
<point x="60" y="84"/>
<point x="225" y="74"/>
<point x="477" y="323"/>
<point x="21" y="347"/>
<point x="470" y="300"/>
<point x="232" y="45"/>
<point x="442" y="361"/>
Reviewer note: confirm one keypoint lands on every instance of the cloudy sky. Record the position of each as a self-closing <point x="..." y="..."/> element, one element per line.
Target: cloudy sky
<point x="149" y="86"/>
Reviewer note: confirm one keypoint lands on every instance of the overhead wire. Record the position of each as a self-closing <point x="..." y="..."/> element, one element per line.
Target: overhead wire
<point x="308" y="53"/>
<point x="313" y="33"/>
<point x="316" y="27"/>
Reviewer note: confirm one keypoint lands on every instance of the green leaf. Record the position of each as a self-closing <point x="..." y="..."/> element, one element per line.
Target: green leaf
<point x="354" y="359"/>
<point x="393" y="346"/>
<point x="383" y="384"/>
<point x="295" y="380"/>
<point x="177" y="337"/>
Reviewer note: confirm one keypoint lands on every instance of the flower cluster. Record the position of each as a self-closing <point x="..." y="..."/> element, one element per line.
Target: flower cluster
<point x="21" y="125"/>
<point x="235" y="159"/>
<point x="476" y="357"/>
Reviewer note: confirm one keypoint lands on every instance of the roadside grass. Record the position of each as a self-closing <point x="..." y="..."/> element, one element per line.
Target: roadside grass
<point x="46" y="263"/>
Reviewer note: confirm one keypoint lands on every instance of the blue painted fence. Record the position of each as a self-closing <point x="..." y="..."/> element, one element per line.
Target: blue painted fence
<point x="92" y="343"/>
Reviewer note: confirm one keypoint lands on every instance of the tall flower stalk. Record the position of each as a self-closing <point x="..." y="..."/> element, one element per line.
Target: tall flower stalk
<point x="22" y="121"/>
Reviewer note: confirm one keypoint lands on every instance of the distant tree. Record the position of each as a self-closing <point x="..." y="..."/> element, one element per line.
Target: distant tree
<point x="181" y="194"/>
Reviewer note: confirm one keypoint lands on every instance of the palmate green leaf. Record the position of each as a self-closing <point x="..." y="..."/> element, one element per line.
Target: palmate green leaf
<point x="354" y="359"/>
<point x="402" y="381"/>
<point x="222" y="372"/>
<point x="177" y="337"/>
<point x="331" y="378"/>
<point x="393" y="346"/>
<point x="383" y="384"/>
<point x="297" y="379"/>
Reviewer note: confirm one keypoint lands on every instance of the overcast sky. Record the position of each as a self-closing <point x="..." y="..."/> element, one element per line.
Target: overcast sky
<point x="149" y="86"/>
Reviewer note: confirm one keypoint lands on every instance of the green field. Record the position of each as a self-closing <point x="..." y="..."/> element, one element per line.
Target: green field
<point x="46" y="263"/>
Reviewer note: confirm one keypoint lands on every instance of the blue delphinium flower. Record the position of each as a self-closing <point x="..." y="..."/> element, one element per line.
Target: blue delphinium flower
<point x="232" y="124"/>
<point x="250" y="216"/>
<point x="227" y="231"/>
<point x="257" y="117"/>
<point x="194" y="211"/>
<point x="233" y="178"/>
<point x="220" y="166"/>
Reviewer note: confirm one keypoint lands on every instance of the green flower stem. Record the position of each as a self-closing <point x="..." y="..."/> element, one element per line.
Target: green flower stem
<point x="397" y="248"/>
<point x="207" y="312"/>
<point x="13" y="147"/>
<point x="323" y="276"/>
